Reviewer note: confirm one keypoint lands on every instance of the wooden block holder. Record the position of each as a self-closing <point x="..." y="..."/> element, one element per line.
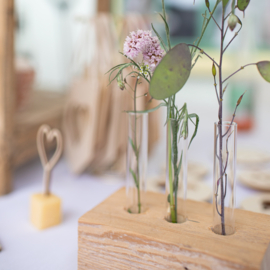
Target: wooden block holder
<point x="111" y="238"/>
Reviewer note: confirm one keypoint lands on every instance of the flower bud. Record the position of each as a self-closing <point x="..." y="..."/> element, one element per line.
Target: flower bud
<point x="214" y="71"/>
<point x="232" y="22"/>
<point x="207" y="3"/>
<point x="239" y="100"/>
<point x="120" y="83"/>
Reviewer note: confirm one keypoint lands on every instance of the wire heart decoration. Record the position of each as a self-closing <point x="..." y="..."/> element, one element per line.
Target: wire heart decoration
<point x="45" y="132"/>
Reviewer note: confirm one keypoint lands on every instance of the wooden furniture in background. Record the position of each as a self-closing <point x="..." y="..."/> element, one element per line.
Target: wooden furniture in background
<point x="18" y="129"/>
<point x="7" y="97"/>
<point x="103" y="5"/>
<point x="44" y="107"/>
<point x="109" y="235"/>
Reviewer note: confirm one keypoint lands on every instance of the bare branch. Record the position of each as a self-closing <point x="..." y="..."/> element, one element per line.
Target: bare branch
<point x="203" y="52"/>
<point x="241" y="68"/>
<point x="211" y="14"/>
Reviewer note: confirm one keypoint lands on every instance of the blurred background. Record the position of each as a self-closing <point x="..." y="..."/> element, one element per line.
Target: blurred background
<point x="56" y="43"/>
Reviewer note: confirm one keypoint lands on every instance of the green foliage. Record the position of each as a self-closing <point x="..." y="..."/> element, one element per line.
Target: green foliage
<point x="225" y="3"/>
<point x="167" y="28"/>
<point x="242" y="4"/>
<point x="184" y="127"/>
<point x="160" y="38"/>
<point x="233" y="6"/>
<point x="178" y="170"/>
<point x="214" y="71"/>
<point x="264" y="69"/>
<point x="133" y="146"/>
<point x="134" y="177"/>
<point x="190" y="116"/>
<point x="172" y="73"/>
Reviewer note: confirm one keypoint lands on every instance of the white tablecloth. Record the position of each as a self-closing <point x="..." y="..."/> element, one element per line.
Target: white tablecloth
<point x="25" y="247"/>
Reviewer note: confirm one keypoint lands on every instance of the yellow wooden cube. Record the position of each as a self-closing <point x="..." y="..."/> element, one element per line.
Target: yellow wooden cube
<point x="45" y="210"/>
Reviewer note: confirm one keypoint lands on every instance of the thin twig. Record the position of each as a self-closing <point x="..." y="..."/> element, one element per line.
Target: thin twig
<point x="217" y="206"/>
<point x="227" y="16"/>
<point x="214" y="19"/>
<point x="203" y="52"/>
<point x="235" y="35"/>
<point x="231" y="122"/>
<point x="226" y="183"/>
<point x="241" y="68"/>
<point x="220" y="126"/>
<point x="225" y="32"/>
<point x="215" y="84"/>
<point x="226" y="165"/>
<point x="204" y="29"/>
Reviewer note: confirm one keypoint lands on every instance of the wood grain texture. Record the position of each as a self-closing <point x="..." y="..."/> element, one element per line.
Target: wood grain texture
<point x="7" y="97"/>
<point x="111" y="238"/>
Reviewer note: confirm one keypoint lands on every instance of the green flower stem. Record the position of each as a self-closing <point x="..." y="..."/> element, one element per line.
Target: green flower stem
<point x="136" y="149"/>
<point x="175" y="157"/>
<point x="172" y="205"/>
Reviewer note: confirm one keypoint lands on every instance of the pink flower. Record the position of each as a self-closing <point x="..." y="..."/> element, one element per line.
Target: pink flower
<point x="153" y="54"/>
<point x="143" y="42"/>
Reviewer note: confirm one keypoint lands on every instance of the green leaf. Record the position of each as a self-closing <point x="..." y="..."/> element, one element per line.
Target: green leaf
<point x="179" y="166"/>
<point x="133" y="146"/>
<point x="115" y="67"/>
<point x="172" y="73"/>
<point x="134" y="177"/>
<point x="242" y="4"/>
<point x="264" y="69"/>
<point x="119" y="71"/>
<point x="225" y="3"/>
<point x="160" y="38"/>
<point x="195" y="61"/>
<point x="184" y="128"/>
<point x="190" y="116"/>
<point x="167" y="28"/>
<point x="233" y="6"/>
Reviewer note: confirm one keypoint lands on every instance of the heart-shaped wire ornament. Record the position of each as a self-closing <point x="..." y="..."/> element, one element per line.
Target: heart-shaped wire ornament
<point x="45" y="132"/>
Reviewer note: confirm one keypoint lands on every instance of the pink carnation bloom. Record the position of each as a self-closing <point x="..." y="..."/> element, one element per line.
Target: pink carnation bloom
<point x="143" y="42"/>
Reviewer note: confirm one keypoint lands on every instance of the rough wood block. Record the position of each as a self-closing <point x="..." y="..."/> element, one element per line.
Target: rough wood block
<point x="111" y="238"/>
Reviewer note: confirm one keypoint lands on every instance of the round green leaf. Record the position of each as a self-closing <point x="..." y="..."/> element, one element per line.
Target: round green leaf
<point x="264" y="69"/>
<point x="242" y="4"/>
<point x="172" y="73"/>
